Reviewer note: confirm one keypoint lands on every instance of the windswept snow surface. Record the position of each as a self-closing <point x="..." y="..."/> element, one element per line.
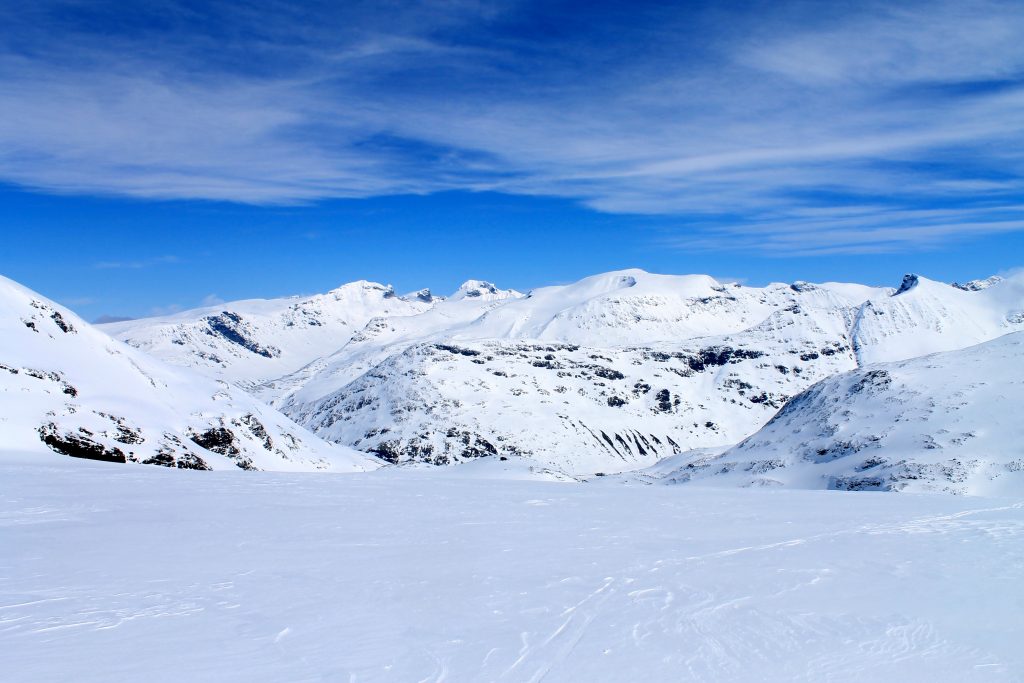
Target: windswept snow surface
<point x="146" y="574"/>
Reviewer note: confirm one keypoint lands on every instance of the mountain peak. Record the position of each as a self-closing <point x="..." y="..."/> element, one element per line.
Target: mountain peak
<point x="910" y="281"/>
<point x="482" y="290"/>
<point x="422" y="295"/>
<point x="363" y="286"/>
<point x="978" y="285"/>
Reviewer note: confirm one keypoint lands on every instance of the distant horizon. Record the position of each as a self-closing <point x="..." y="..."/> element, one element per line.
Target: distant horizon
<point x="215" y="302"/>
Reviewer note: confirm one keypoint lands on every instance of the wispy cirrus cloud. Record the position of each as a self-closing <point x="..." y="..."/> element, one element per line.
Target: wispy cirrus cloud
<point x="137" y="264"/>
<point x="767" y="130"/>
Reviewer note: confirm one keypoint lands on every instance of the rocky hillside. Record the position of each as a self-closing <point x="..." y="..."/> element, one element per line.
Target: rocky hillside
<point x="943" y="422"/>
<point x="67" y="388"/>
<point x="609" y="373"/>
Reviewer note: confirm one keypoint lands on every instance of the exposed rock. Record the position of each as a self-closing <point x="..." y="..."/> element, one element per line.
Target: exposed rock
<point x="79" y="445"/>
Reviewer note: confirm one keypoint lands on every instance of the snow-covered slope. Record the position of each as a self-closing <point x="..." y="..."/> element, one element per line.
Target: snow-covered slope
<point x="947" y="422"/>
<point x="382" y="336"/>
<point x="616" y="371"/>
<point x="609" y="373"/>
<point x="247" y="342"/>
<point x="66" y="387"/>
<point x="457" y="383"/>
<point x="925" y="316"/>
<point x="633" y="308"/>
<point x="577" y="408"/>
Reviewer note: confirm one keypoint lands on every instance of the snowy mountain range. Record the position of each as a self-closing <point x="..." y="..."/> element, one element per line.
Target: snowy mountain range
<point x="616" y="372"/>
<point x="611" y="373"/>
<point x="69" y="388"/>
<point x="247" y="342"/>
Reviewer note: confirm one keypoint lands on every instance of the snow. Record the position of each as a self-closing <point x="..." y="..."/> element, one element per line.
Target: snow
<point x="271" y="337"/>
<point x="133" y="573"/>
<point x="601" y="375"/>
<point x="580" y="410"/>
<point x="552" y="553"/>
<point x="404" y="384"/>
<point x="485" y="291"/>
<point x="948" y="422"/>
<point x="928" y="316"/>
<point x="63" y="380"/>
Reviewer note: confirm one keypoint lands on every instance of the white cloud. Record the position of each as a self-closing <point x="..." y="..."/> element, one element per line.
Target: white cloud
<point x="920" y="104"/>
<point x="137" y="264"/>
<point x="169" y="309"/>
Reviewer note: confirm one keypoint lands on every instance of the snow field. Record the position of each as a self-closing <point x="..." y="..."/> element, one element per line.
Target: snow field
<point x="130" y="573"/>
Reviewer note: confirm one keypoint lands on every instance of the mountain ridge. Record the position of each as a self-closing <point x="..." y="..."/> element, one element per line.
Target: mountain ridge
<point x="612" y="372"/>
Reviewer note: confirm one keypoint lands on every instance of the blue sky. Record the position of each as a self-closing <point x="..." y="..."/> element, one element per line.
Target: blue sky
<point x="158" y="154"/>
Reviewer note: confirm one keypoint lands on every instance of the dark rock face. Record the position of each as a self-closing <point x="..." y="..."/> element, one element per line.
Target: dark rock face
<point x="174" y="453"/>
<point x="258" y="430"/>
<point x="641" y="388"/>
<point x="458" y="445"/>
<point x="187" y="461"/>
<point x="480" y="290"/>
<point x="123" y="433"/>
<point x="190" y="461"/>
<point x="55" y="316"/>
<point x="424" y="295"/>
<point x="62" y="324"/>
<point x="388" y="451"/>
<point x="456" y="350"/>
<point x="395" y="451"/>
<point x="909" y="282"/>
<point x="703" y="359"/>
<point x="217" y="439"/>
<point x="631" y="443"/>
<point x="163" y="459"/>
<point x="231" y="327"/>
<point x="664" y="401"/>
<point x="184" y="461"/>
<point x="606" y="373"/>
<point x="720" y="355"/>
<point x="861" y="484"/>
<point x="78" y="445"/>
<point x="81" y="444"/>
<point x="873" y="380"/>
<point x="473" y="445"/>
<point x="223" y="441"/>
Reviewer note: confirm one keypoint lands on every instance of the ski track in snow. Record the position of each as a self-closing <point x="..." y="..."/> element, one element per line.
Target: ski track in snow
<point x="113" y="573"/>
